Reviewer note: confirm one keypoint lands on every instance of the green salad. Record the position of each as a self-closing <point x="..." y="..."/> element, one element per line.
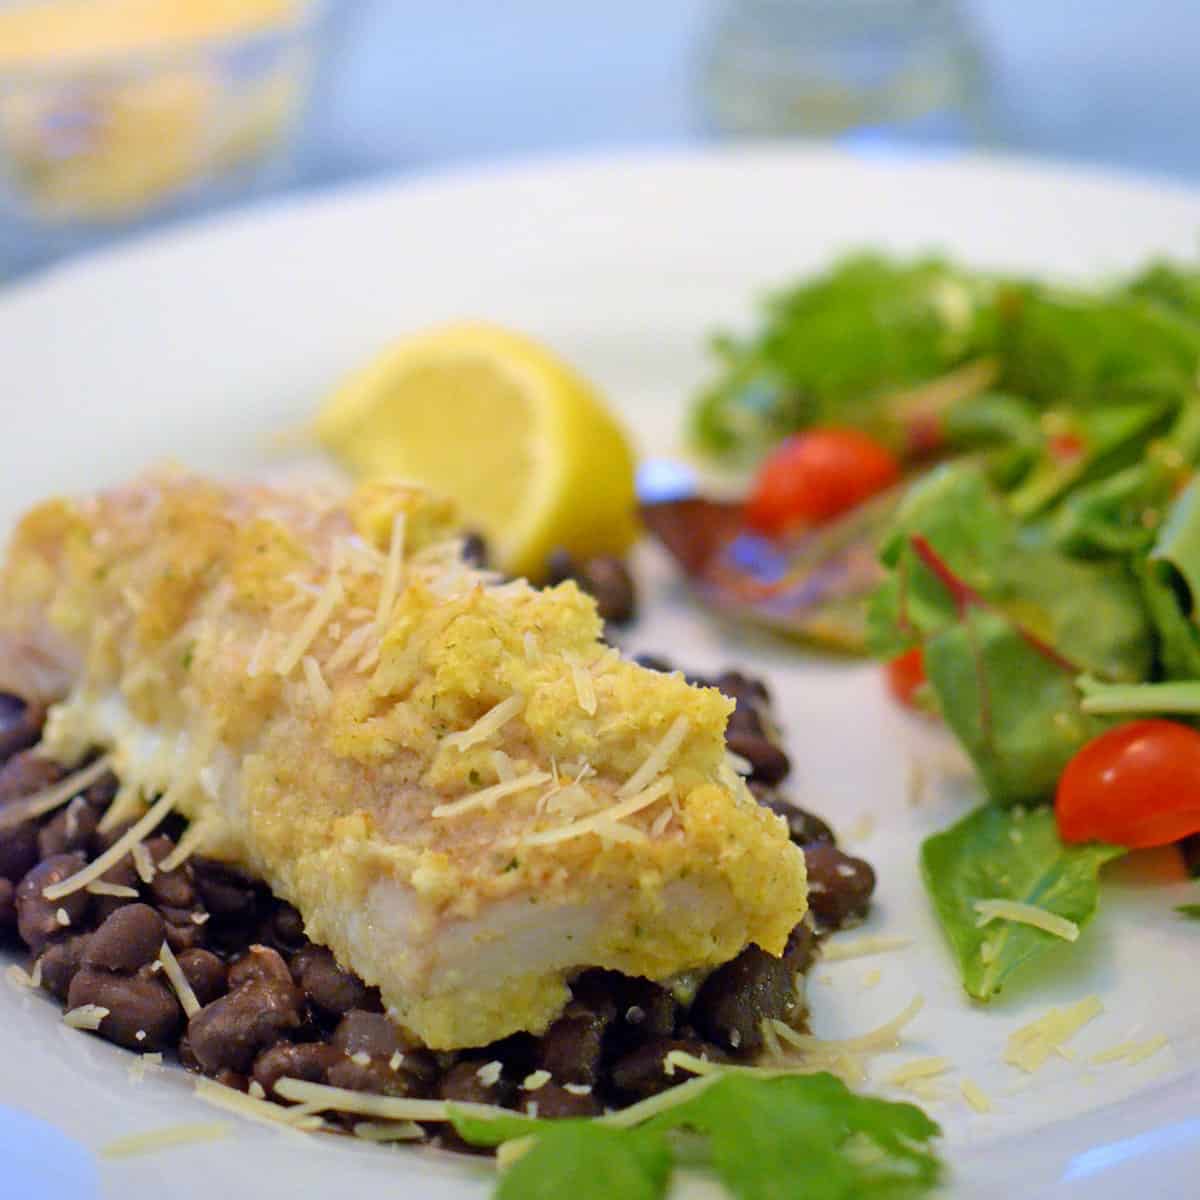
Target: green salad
<point x="1040" y="557"/>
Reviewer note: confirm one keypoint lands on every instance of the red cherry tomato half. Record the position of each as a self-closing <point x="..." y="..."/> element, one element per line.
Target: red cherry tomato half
<point x="814" y="476"/>
<point x="905" y="674"/>
<point x="1136" y="785"/>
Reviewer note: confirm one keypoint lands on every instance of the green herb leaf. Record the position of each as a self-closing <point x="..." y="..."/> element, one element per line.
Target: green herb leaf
<point x="1007" y="854"/>
<point x="1007" y="625"/>
<point x="586" y="1161"/>
<point x="806" y="1137"/>
<point x="1191" y="911"/>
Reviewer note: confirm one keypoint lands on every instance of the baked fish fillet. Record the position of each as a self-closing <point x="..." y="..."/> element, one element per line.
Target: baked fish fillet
<point x="465" y="793"/>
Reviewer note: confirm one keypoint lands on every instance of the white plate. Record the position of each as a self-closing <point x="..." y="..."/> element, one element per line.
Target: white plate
<point x="195" y="344"/>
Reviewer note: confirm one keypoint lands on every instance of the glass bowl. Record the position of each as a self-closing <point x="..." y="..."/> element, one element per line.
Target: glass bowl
<point x="113" y="112"/>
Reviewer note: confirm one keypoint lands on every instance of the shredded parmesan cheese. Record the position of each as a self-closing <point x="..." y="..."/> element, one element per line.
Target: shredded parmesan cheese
<point x="489" y="795"/>
<point x="165" y="1138"/>
<point x="599" y="821"/>
<point x="388" y="1131"/>
<point x="585" y="690"/>
<point x="919" y="1068"/>
<point x="18" y="977"/>
<point x="1025" y="914"/>
<point x="318" y="689"/>
<point x="503" y="766"/>
<point x="533" y="652"/>
<point x="261" y="1111"/>
<point x="975" y="1097"/>
<point x="86" y="1016"/>
<point x="487" y="726"/>
<point x="1030" y="1046"/>
<point x="310" y="628"/>
<point x="391" y="573"/>
<point x="54" y="797"/>
<point x="738" y="764"/>
<point x="254" y="665"/>
<point x="323" y="1097"/>
<point x="122" y="846"/>
<point x="835" y="950"/>
<point x="350" y="647"/>
<point x="658" y="758"/>
<point x="100" y="887"/>
<point x="1130" y="1052"/>
<point x="178" y="981"/>
<point x="489" y="1073"/>
<point x="143" y="863"/>
<point x="536" y="1080"/>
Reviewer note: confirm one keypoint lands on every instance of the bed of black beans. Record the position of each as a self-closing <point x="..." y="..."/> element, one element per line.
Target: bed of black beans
<point x="273" y="1004"/>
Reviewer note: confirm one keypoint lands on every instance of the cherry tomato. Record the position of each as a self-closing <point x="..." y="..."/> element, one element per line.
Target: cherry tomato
<point x="905" y="674"/>
<point x="812" y="477"/>
<point x="1136" y="785"/>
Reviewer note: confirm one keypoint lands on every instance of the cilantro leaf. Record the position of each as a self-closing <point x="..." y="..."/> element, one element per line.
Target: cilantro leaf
<point x="794" y="1137"/>
<point x="584" y="1160"/>
<point x="1191" y="911"/>
<point x="808" y="1137"/>
<point x="1000" y="854"/>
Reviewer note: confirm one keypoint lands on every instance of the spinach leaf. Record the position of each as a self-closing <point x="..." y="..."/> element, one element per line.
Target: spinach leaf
<point x="1007" y="624"/>
<point x="835" y="348"/>
<point x="1010" y="854"/>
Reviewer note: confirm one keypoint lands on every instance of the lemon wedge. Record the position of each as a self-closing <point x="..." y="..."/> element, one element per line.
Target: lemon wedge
<point x="501" y="424"/>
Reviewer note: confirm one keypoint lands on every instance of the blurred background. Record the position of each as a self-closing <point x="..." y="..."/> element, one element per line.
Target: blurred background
<point x="117" y="115"/>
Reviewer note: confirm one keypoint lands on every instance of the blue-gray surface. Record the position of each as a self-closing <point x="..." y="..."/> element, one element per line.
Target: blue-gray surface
<point x="418" y="82"/>
<point x="415" y="84"/>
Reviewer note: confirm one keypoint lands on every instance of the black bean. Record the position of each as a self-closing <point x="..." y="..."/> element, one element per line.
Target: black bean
<point x="143" y="1014"/>
<point x="233" y="1079"/>
<point x="609" y="581"/>
<point x="768" y="763"/>
<point x="182" y="932"/>
<point x="746" y="721"/>
<point x="331" y="989"/>
<point x="68" y="830"/>
<point x="652" y="662"/>
<point x="804" y="828"/>
<point x="736" y="998"/>
<point x="60" y="962"/>
<point x="263" y="964"/>
<point x="206" y="973"/>
<point x="839" y="887"/>
<point x="475" y="549"/>
<point x="380" y="1078"/>
<point x="572" y="1048"/>
<point x="310" y="1061"/>
<point x="739" y="686"/>
<point x="18" y="850"/>
<point x="129" y="939"/>
<point x="285" y="929"/>
<point x="226" y="891"/>
<point x="40" y="920"/>
<point x="8" y="904"/>
<point x="462" y="1083"/>
<point x="26" y="773"/>
<point x="369" y="1033"/>
<point x="645" y="1007"/>
<point x="101" y="793"/>
<point x="642" y="1071"/>
<point x="105" y="839"/>
<point x="232" y="1031"/>
<point x="604" y="578"/>
<point x="171" y="888"/>
<point x="555" y="1102"/>
<point x="20" y="724"/>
